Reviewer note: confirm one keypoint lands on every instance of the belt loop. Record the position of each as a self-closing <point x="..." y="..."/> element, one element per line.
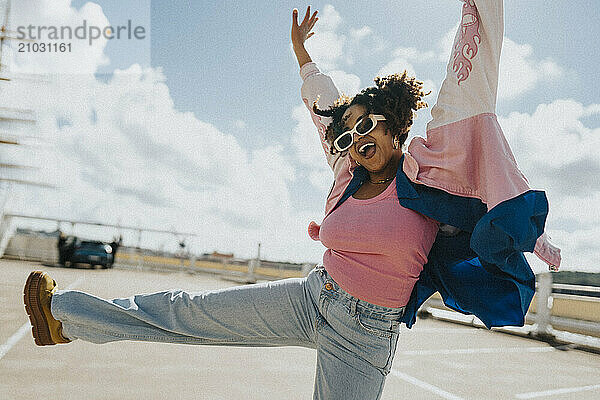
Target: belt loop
<point x="353" y="306"/>
<point x="320" y="269"/>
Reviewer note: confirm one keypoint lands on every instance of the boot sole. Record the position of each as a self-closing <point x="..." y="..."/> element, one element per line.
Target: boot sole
<point x="31" y="298"/>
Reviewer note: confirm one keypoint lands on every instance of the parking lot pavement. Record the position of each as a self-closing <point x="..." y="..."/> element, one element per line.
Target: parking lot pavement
<point x="434" y="360"/>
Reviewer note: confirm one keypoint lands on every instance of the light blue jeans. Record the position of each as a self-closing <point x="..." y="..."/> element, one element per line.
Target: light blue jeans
<point x="355" y="340"/>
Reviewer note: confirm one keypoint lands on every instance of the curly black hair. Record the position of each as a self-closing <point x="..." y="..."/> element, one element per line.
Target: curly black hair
<point x="397" y="97"/>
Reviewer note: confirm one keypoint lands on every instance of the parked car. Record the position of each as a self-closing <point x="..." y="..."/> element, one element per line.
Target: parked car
<point x="91" y="252"/>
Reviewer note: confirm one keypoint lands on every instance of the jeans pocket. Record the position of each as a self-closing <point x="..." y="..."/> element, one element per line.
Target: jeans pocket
<point x="374" y="326"/>
<point x="341" y="330"/>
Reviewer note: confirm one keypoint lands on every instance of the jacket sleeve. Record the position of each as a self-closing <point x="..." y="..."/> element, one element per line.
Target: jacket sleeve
<point x="466" y="152"/>
<point x="471" y="82"/>
<point x="318" y="87"/>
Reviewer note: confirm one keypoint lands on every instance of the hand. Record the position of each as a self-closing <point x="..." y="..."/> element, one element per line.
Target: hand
<point x="300" y="33"/>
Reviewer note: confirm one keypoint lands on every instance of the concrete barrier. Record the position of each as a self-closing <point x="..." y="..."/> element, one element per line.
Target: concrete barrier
<point x="44" y="249"/>
<point x="33" y="248"/>
<point x="251" y="270"/>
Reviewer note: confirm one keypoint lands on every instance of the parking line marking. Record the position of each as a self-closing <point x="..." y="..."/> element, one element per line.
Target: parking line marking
<point x="26" y="328"/>
<point x="14" y="339"/>
<point x="533" y="395"/>
<point x="459" y="331"/>
<point x="424" y="385"/>
<point x="484" y="350"/>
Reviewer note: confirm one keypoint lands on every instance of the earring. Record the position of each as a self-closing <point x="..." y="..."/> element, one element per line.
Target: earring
<point x="396" y="143"/>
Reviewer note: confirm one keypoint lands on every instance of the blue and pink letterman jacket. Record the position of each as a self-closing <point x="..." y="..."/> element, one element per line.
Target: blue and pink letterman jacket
<point x="463" y="175"/>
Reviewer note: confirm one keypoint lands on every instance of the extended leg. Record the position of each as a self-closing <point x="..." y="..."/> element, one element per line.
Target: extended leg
<point x="267" y="314"/>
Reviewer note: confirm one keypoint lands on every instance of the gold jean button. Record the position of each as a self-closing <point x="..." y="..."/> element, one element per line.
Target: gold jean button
<point x="328" y="286"/>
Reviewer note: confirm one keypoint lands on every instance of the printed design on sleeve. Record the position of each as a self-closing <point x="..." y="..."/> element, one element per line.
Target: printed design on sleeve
<point x="469" y="39"/>
<point x="321" y="128"/>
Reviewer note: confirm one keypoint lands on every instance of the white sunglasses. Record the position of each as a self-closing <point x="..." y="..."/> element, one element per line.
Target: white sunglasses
<point x="362" y="127"/>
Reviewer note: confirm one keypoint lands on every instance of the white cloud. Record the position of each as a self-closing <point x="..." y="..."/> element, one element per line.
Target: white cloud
<point x="403" y="57"/>
<point x="553" y="136"/>
<point x="240" y="124"/>
<point x="359" y="34"/>
<point x="81" y="57"/>
<point x="330" y="18"/>
<point x="321" y="178"/>
<point x="334" y="43"/>
<point x="327" y="50"/>
<point x="397" y="65"/>
<point x="119" y="151"/>
<point x="414" y="54"/>
<point x="430" y="86"/>
<point x="446" y="43"/>
<point x="520" y="71"/>
<point x="326" y="47"/>
<point x="348" y="84"/>
<point x="308" y="150"/>
<point x="305" y="138"/>
<point x="61" y="39"/>
<point x="123" y="153"/>
<point x="558" y="154"/>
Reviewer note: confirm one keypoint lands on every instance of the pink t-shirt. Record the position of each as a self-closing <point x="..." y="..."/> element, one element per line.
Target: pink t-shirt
<point x="376" y="248"/>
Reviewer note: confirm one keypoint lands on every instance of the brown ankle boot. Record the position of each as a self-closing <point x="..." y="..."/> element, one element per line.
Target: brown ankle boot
<point x="37" y="295"/>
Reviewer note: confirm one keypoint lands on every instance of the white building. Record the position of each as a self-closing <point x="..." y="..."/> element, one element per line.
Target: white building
<point x="19" y="133"/>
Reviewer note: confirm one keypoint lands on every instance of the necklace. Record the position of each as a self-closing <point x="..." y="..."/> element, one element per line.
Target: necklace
<point x="381" y="181"/>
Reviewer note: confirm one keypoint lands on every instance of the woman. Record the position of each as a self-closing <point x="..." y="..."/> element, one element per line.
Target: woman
<point x="463" y="176"/>
<point x="385" y="255"/>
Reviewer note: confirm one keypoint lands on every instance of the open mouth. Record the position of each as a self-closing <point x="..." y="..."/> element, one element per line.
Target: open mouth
<point x="367" y="150"/>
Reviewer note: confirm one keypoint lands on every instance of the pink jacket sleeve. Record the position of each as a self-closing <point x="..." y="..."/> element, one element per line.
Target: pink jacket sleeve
<point x="319" y="87"/>
<point x="466" y="152"/>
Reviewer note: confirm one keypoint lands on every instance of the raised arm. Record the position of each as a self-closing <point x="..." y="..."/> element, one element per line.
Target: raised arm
<point x="316" y="86"/>
<point x="466" y="152"/>
<point x="300" y="33"/>
<point x="471" y="82"/>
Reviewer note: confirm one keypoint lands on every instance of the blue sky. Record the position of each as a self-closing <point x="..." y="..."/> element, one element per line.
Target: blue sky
<point x="226" y="68"/>
<point x="207" y="50"/>
<point x="217" y="53"/>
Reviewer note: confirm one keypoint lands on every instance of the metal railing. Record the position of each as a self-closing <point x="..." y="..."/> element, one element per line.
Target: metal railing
<point x="555" y="308"/>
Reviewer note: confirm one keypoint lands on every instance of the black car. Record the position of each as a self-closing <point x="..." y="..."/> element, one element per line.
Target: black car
<point x="91" y="252"/>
